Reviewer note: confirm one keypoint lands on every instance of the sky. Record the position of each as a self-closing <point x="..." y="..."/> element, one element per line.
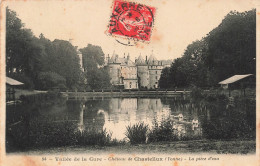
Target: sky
<point x="177" y="23"/>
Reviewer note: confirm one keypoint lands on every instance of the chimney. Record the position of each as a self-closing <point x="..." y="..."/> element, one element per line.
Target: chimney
<point x="146" y="58"/>
<point x="128" y="57"/>
<point x="107" y="57"/>
<point x="124" y="55"/>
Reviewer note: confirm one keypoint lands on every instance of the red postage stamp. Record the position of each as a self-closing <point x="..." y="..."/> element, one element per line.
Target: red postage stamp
<point x="131" y="20"/>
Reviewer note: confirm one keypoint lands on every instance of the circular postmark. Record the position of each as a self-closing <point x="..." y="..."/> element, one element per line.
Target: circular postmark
<point x="131" y="21"/>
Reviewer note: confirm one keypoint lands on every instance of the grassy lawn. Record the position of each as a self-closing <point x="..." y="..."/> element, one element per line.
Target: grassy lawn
<point x="195" y="146"/>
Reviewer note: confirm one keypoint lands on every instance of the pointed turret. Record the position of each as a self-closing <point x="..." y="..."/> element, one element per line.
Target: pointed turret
<point x="152" y="60"/>
<point x="140" y="61"/>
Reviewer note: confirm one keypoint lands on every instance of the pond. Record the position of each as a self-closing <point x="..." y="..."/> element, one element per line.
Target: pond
<point x="214" y="119"/>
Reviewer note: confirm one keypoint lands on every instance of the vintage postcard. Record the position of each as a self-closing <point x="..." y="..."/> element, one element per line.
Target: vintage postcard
<point x="129" y="82"/>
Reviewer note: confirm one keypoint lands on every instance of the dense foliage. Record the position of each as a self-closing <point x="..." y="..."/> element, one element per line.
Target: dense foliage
<point x="227" y="50"/>
<point x="93" y="62"/>
<point x="43" y="64"/>
<point x="38" y="62"/>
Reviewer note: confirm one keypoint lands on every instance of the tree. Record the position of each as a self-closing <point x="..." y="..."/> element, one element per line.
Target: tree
<point x="14" y="41"/>
<point x="232" y="46"/>
<point x="37" y="61"/>
<point x="22" y="50"/>
<point x="49" y="80"/>
<point x="93" y="57"/>
<point x="57" y="58"/>
<point x="93" y="61"/>
<point x="164" y="81"/>
<point x="99" y="79"/>
<point x="66" y="62"/>
<point x="227" y="50"/>
<point x="193" y="63"/>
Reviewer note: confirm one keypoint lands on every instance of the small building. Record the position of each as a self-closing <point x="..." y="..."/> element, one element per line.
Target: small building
<point x="12" y="82"/>
<point x="238" y="82"/>
<point x="10" y="85"/>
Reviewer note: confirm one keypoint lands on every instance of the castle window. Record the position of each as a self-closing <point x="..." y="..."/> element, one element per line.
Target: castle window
<point x="118" y="73"/>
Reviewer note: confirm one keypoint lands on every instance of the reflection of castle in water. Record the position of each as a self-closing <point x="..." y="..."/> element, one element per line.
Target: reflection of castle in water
<point x="121" y="112"/>
<point x="135" y="109"/>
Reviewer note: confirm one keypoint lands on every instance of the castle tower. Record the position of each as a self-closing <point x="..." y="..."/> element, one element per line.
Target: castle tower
<point x="155" y="69"/>
<point x="114" y="70"/>
<point x="142" y="72"/>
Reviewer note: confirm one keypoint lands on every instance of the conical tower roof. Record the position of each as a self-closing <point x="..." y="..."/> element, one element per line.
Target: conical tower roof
<point x="152" y="60"/>
<point x="140" y="60"/>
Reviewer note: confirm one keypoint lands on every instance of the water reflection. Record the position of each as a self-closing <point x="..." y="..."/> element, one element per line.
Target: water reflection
<point x="114" y="114"/>
<point x="193" y="119"/>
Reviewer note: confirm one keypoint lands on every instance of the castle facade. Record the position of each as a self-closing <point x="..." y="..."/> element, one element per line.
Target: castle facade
<point x="143" y="73"/>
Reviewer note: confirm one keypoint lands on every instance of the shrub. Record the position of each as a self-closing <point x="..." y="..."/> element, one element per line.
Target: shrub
<point x="190" y="137"/>
<point x="93" y="137"/>
<point x="215" y="97"/>
<point x="196" y="93"/>
<point x="36" y="134"/>
<point x="137" y="133"/>
<point x="17" y="138"/>
<point x="52" y="134"/>
<point x="162" y="132"/>
<point x="49" y="80"/>
<point x="116" y="142"/>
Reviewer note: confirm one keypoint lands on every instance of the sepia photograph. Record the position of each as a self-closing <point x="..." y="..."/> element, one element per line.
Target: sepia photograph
<point x="129" y="82"/>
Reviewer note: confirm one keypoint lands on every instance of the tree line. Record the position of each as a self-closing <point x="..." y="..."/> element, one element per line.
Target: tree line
<point x="43" y="64"/>
<point x="227" y="50"/>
